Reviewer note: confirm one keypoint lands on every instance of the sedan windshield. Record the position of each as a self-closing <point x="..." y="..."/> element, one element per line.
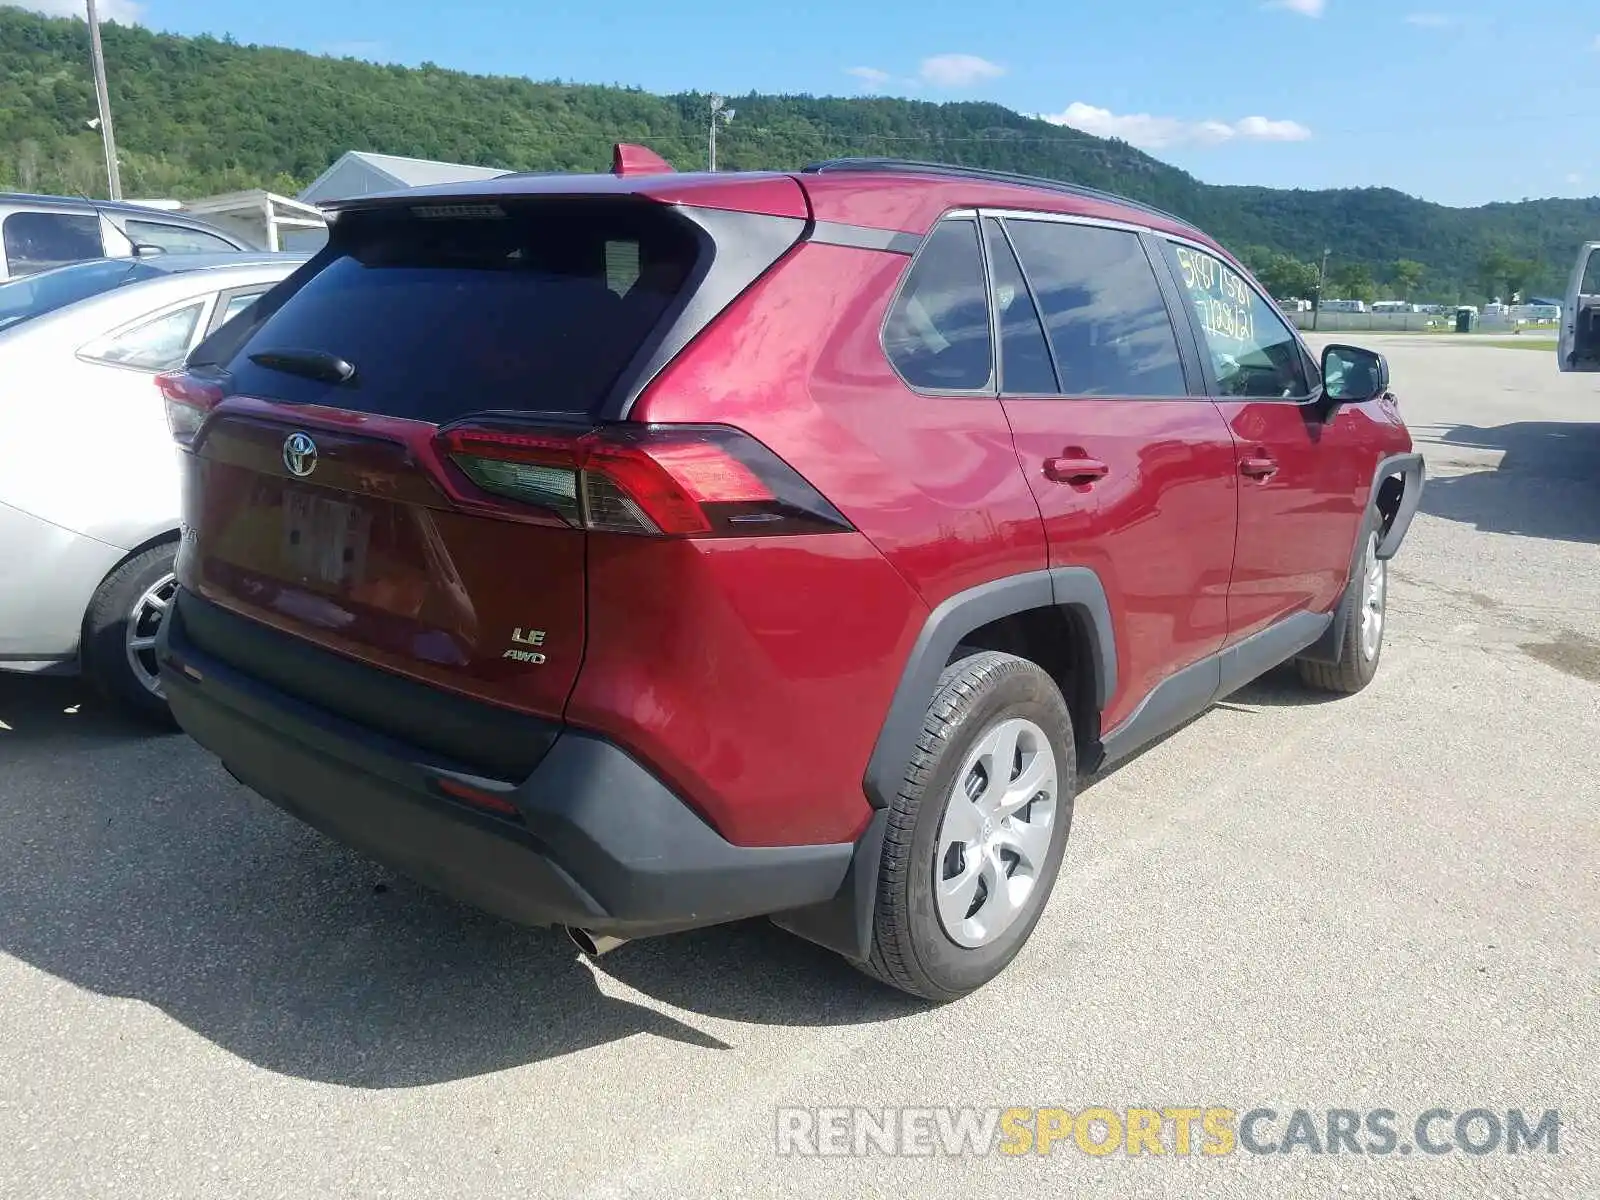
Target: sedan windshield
<point x="33" y="296"/>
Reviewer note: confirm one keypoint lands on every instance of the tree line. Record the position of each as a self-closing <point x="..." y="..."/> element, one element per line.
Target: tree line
<point x="197" y="116"/>
<point x="1498" y="275"/>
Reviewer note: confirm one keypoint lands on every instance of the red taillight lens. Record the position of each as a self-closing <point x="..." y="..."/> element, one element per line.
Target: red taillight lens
<point x="660" y="480"/>
<point x="188" y="401"/>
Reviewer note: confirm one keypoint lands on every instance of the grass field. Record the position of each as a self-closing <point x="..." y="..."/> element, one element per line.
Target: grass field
<point x="1548" y="345"/>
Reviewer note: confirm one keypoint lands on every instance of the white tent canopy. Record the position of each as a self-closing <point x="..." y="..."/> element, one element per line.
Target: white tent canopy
<point x="267" y="219"/>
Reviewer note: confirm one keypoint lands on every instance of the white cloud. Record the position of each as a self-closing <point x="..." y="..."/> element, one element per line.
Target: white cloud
<point x="870" y="77"/>
<point x="1306" y="8"/>
<point x="1432" y="20"/>
<point x="958" y="70"/>
<point x="1157" y="133"/>
<point x="120" y="12"/>
<point x="1575" y="178"/>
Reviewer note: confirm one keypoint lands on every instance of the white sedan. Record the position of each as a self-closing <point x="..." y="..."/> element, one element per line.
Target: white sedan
<point x="88" y="473"/>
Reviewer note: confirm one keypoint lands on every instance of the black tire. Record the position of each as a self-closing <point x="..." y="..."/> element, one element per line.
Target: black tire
<point x="910" y="947"/>
<point x="105" y="634"/>
<point x="1356" y="667"/>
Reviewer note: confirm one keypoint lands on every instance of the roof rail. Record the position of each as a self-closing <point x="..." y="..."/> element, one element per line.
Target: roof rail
<point x="911" y="166"/>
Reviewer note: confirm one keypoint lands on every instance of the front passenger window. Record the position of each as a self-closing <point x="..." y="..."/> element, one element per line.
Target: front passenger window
<point x="1253" y="354"/>
<point x="937" y="335"/>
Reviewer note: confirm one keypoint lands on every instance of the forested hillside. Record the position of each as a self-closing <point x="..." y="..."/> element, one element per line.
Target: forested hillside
<point x="196" y="116"/>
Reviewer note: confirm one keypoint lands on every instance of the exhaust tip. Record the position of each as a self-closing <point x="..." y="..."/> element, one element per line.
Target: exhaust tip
<point x="593" y="945"/>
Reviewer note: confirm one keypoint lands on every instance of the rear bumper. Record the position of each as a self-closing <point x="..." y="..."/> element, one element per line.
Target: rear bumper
<point x="600" y="843"/>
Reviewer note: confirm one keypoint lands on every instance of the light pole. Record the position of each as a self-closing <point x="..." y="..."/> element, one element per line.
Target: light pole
<point x="720" y="115"/>
<point x="1322" y="278"/>
<point x="97" y="53"/>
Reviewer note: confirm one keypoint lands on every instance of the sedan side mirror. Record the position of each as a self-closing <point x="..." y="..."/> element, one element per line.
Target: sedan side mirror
<point x="1351" y="375"/>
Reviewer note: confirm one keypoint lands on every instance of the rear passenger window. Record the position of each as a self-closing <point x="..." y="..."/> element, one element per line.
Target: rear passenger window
<point x="177" y="239"/>
<point x="36" y="241"/>
<point x="1103" y="310"/>
<point x="1253" y="354"/>
<point x="937" y="335"/>
<point x="1025" y="367"/>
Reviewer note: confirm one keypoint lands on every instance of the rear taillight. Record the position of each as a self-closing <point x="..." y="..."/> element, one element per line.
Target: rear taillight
<point x="189" y="399"/>
<point x="658" y="480"/>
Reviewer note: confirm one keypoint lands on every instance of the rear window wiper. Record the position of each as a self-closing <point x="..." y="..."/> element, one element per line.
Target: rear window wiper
<point x="312" y="364"/>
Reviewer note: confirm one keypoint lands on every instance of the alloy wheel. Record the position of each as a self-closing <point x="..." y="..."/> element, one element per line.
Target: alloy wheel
<point x="144" y="622"/>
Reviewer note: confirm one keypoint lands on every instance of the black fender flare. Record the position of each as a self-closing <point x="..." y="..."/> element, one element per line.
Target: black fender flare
<point x="1409" y="467"/>
<point x="844" y="923"/>
<point x="1076" y="588"/>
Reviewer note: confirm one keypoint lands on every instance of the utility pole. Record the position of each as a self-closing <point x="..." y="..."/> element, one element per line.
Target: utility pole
<point x="1322" y="278"/>
<point x="720" y="115"/>
<point x="113" y="174"/>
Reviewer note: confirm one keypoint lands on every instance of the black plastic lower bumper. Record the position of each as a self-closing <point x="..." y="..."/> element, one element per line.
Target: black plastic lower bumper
<point x="599" y="842"/>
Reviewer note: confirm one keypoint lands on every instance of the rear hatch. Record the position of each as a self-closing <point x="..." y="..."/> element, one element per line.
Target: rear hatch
<point x="380" y="452"/>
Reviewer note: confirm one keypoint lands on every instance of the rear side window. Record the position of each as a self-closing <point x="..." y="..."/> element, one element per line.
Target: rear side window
<point x="37" y="241"/>
<point x="1253" y="354"/>
<point x="154" y="345"/>
<point x="450" y="310"/>
<point x="937" y="335"/>
<point x="1103" y="310"/>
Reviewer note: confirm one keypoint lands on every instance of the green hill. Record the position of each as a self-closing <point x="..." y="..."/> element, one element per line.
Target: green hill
<point x="197" y="116"/>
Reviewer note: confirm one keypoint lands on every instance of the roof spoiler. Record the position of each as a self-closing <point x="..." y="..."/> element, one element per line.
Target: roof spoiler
<point x="629" y="159"/>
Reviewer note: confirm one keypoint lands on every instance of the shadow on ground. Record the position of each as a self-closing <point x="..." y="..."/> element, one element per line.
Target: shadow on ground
<point x="131" y="865"/>
<point x="1546" y="485"/>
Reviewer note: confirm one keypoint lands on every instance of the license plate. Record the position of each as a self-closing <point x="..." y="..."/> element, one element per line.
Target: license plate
<point x="325" y="541"/>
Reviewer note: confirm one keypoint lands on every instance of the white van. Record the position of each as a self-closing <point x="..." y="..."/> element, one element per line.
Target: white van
<point x="1579" y="348"/>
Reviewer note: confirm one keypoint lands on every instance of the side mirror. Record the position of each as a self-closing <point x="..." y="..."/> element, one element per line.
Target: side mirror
<point x="1351" y="375"/>
<point x="147" y="250"/>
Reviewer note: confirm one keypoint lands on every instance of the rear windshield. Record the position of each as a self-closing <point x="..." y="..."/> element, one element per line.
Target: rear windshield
<point x="445" y="310"/>
<point x="34" y="295"/>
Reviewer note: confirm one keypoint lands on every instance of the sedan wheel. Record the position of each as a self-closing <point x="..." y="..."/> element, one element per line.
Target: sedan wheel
<point x="144" y="622"/>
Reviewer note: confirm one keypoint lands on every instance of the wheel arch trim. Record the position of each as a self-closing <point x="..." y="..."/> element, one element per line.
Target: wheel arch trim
<point x="162" y="536"/>
<point x="1077" y="589"/>
<point x="1409" y="468"/>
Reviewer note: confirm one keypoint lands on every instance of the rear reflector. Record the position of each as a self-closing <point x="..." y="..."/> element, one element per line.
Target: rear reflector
<point x="477" y="797"/>
<point x="655" y="480"/>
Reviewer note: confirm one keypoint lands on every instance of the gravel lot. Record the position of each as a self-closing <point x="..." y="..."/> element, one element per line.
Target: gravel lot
<point x="1391" y="901"/>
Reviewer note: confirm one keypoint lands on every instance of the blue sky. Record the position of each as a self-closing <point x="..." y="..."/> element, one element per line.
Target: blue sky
<point x="1460" y="101"/>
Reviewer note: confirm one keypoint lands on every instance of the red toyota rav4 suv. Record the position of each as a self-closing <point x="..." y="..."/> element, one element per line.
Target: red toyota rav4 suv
<point x="643" y="551"/>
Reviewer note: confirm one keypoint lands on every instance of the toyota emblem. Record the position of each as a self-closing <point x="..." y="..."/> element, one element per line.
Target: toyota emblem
<point x="300" y="454"/>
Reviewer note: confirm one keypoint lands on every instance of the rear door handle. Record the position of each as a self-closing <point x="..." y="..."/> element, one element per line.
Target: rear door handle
<point x="1259" y="466"/>
<point x="1075" y="469"/>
